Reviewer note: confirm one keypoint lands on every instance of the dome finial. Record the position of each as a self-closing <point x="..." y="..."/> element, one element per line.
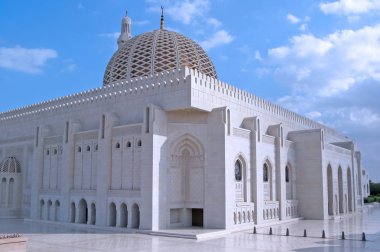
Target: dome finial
<point x="162" y="18"/>
<point x="125" y="30"/>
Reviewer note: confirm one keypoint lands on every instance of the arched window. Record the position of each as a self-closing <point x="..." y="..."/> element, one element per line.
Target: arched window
<point x="265" y="173"/>
<point x="47" y="152"/>
<point x="88" y="148"/>
<point x="238" y="171"/>
<point x="117" y="145"/>
<point x="139" y="143"/>
<point x="55" y="151"/>
<point x="79" y="149"/>
<point x="129" y="144"/>
<point x="287" y="179"/>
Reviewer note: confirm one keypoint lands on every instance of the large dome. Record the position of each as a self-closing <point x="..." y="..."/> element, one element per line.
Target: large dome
<point x="154" y="52"/>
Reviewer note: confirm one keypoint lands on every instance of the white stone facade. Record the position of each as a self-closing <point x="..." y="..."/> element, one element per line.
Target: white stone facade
<point x="174" y="149"/>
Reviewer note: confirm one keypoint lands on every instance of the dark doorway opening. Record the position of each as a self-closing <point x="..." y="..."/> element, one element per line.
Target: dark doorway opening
<point x="197" y="217"/>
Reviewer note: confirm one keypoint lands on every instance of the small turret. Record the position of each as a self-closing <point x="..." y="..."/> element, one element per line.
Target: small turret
<point x="125" y="34"/>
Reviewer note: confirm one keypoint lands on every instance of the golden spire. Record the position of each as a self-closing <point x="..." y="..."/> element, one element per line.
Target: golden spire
<point x="162" y="18"/>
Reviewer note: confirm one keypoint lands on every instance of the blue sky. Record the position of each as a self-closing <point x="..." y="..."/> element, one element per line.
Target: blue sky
<point x="320" y="58"/>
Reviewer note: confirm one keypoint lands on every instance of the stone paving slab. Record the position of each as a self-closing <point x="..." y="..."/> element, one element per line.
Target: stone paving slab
<point x="48" y="237"/>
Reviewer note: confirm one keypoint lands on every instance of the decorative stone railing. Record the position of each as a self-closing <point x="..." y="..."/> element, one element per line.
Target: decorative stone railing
<point x="291" y="208"/>
<point x="271" y="210"/>
<point x="244" y="213"/>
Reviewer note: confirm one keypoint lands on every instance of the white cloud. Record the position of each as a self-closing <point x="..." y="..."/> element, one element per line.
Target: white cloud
<point x="24" y="59"/>
<point x="258" y="56"/>
<point x="329" y="65"/>
<point x="350" y="7"/>
<point x="182" y="11"/>
<point x="214" y="22"/>
<point x="279" y="52"/>
<point x="142" y="22"/>
<point x="313" y="114"/>
<point x="293" y="19"/>
<point x="303" y="27"/>
<point x="111" y="35"/>
<point x="364" y="117"/>
<point x="217" y="39"/>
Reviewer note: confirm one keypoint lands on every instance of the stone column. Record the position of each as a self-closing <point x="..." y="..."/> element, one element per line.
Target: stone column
<point x="38" y="154"/>
<point x="257" y="187"/>
<point x="67" y="170"/>
<point x="129" y="216"/>
<point x="106" y="123"/>
<point x="219" y="172"/>
<point x="153" y="206"/>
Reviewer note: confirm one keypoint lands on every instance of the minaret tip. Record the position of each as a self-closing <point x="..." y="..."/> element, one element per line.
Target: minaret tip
<point x="162" y="19"/>
<point x="125" y="33"/>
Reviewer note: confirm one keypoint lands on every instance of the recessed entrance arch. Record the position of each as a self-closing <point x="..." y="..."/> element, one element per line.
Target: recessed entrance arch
<point x="330" y="190"/>
<point x="135" y="216"/>
<point x="83" y="211"/>
<point x="112" y="215"/>
<point x="186" y="181"/>
<point x="123" y="215"/>
<point x="340" y="188"/>
<point x="349" y="185"/>
<point x="93" y="214"/>
<point x="72" y="212"/>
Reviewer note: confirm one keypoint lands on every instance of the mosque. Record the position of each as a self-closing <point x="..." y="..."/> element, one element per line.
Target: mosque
<point x="165" y="144"/>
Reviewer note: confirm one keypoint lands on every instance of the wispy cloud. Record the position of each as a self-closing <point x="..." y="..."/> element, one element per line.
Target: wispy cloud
<point x="214" y="22"/>
<point x="142" y="22"/>
<point x="182" y="11"/>
<point x="111" y="35"/>
<point x="293" y="19"/>
<point x="217" y="39"/>
<point x="24" y="59"/>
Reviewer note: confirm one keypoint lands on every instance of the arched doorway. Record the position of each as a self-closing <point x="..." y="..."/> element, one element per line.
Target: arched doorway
<point x="330" y="190"/>
<point x="349" y="185"/>
<point x="93" y="214"/>
<point x="49" y="210"/>
<point x="112" y="215"/>
<point x="340" y="188"/>
<point x="3" y="192"/>
<point x="83" y="212"/>
<point x="57" y="210"/>
<point x="72" y="212"/>
<point x="135" y="216"/>
<point x="42" y="209"/>
<point x="10" y="192"/>
<point x="123" y="215"/>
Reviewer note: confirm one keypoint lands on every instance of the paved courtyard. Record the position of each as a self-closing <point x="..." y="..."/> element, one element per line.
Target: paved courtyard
<point x="54" y="237"/>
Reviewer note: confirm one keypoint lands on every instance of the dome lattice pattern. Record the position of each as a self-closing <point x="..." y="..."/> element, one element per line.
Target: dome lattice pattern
<point x="154" y="52"/>
<point x="10" y="165"/>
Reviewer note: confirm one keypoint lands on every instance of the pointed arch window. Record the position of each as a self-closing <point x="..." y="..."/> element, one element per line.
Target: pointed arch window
<point x="287" y="178"/>
<point x="265" y="173"/>
<point x="238" y="171"/>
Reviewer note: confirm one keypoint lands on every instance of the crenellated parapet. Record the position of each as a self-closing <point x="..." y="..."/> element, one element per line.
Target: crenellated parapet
<point x="166" y="82"/>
